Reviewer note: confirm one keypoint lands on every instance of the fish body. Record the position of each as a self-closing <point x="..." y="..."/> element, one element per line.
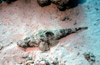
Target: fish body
<point x="46" y="38"/>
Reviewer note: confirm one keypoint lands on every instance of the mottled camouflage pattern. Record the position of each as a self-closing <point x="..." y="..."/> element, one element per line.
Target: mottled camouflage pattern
<point x="46" y="38"/>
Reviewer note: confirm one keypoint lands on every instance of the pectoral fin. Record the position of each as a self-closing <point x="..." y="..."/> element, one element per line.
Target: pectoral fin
<point x="53" y="42"/>
<point x="44" y="46"/>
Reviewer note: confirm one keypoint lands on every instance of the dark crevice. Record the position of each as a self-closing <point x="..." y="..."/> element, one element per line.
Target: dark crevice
<point x="8" y="1"/>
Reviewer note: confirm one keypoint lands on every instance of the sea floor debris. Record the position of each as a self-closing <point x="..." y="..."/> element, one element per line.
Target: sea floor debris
<point x="89" y="57"/>
<point x="62" y="5"/>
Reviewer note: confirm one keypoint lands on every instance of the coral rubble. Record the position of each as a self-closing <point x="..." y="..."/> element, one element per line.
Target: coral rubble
<point x="43" y="3"/>
<point x="89" y="57"/>
<point x="62" y="5"/>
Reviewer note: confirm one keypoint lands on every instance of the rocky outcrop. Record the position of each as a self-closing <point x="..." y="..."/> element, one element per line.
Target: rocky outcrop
<point x="62" y="5"/>
<point x="43" y="3"/>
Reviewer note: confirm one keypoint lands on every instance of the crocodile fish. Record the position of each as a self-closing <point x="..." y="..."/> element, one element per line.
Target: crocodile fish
<point x="44" y="39"/>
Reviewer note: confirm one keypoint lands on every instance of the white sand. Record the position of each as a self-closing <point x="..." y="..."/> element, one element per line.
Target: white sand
<point x="19" y="20"/>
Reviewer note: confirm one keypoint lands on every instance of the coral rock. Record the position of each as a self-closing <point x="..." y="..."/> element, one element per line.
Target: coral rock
<point x="43" y="3"/>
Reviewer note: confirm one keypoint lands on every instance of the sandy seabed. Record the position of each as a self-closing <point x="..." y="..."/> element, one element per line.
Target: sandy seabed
<point x="21" y="19"/>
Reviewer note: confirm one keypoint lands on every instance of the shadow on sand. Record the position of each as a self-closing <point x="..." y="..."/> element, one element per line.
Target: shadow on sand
<point x="74" y="3"/>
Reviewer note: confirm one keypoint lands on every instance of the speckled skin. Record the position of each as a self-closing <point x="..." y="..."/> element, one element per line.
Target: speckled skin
<point x="46" y="38"/>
